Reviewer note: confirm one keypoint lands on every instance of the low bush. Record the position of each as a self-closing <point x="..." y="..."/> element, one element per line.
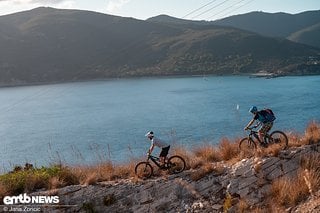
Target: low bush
<point x="27" y="180"/>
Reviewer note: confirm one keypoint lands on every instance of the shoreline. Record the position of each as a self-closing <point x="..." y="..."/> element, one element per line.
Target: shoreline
<point x="249" y="75"/>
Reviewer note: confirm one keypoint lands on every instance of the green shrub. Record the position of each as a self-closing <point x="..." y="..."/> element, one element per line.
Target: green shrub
<point x="19" y="181"/>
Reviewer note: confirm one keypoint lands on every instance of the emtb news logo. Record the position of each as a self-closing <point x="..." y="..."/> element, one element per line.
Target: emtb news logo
<point x="25" y="199"/>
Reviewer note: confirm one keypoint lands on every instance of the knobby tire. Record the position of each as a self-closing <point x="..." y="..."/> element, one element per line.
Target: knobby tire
<point x="143" y="170"/>
<point x="177" y="164"/>
<point x="247" y="147"/>
<point x="279" y="137"/>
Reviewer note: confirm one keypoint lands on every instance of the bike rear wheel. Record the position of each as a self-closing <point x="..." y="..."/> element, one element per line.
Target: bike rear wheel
<point x="143" y="170"/>
<point x="278" y="138"/>
<point x="176" y="164"/>
<point x="247" y="147"/>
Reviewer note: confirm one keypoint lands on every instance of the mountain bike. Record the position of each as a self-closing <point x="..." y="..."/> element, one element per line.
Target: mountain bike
<point x="175" y="164"/>
<point x="276" y="138"/>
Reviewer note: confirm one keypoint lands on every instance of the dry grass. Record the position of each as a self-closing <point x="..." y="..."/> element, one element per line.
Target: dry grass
<point x="90" y="175"/>
<point x="55" y="183"/>
<point x="295" y="139"/>
<point x="310" y="169"/>
<point x="91" y="179"/>
<point x="202" y="155"/>
<point x="289" y="192"/>
<point x="258" y="210"/>
<point x="195" y="163"/>
<point x="310" y="136"/>
<point x="124" y="171"/>
<point x="208" y="153"/>
<point x="311" y="162"/>
<point x="228" y="150"/>
<point x="243" y="206"/>
<point x="3" y="192"/>
<point x="312" y="133"/>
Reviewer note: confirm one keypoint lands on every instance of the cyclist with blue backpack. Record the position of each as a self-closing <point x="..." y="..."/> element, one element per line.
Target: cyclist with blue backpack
<point x="265" y="117"/>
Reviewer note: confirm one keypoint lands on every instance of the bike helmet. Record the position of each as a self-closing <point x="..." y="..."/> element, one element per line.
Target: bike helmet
<point x="253" y="109"/>
<point x="149" y="134"/>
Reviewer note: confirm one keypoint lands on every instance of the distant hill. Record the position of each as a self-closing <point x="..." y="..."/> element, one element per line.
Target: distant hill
<point x="309" y="35"/>
<point x="52" y="45"/>
<point x="169" y="19"/>
<point x="282" y="25"/>
<point x="279" y="25"/>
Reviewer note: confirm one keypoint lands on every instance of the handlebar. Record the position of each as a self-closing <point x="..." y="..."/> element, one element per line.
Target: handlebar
<point x="253" y="127"/>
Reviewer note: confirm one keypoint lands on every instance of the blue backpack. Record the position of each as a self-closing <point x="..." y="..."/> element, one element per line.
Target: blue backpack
<point x="267" y="115"/>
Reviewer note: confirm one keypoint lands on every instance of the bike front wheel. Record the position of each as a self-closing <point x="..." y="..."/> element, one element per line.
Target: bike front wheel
<point x="247" y="147"/>
<point x="278" y="138"/>
<point x="176" y="164"/>
<point x="143" y="170"/>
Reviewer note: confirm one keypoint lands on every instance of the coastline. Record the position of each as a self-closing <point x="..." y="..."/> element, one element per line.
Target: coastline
<point x="249" y="75"/>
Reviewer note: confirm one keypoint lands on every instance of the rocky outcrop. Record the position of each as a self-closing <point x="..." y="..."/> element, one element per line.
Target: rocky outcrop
<point x="249" y="180"/>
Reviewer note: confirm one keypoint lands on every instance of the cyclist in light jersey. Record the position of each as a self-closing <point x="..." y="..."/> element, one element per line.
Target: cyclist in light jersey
<point x="159" y="143"/>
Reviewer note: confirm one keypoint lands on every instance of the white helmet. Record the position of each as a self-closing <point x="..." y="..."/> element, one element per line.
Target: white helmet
<point x="149" y="134"/>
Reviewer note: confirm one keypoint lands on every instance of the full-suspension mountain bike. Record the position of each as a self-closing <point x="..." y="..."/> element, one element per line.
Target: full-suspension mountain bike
<point x="275" y="138"/>
<point x="175" y="164"/>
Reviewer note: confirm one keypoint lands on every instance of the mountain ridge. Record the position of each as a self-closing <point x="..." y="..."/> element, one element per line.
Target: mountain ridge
<point x="295" y="27"/>
<point x="272" y="24"/>
<point x="55" y="45"/>
<point x="283" y="25"/>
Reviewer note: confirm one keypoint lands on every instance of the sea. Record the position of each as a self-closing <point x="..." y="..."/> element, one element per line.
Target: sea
<point x="84" y="123"/>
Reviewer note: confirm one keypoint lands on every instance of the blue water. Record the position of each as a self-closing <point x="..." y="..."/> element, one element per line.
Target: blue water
<point x="91" y="121"/>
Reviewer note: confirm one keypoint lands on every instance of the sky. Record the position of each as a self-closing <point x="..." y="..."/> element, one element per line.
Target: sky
<point x="187" y="9"/>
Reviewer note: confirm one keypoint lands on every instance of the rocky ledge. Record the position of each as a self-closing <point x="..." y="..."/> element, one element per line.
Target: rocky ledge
<point x="249" y="179"/>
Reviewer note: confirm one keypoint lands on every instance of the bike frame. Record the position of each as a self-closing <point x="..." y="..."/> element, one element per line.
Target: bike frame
<point x="154" y="159"/>
<point x="254" y="133"/>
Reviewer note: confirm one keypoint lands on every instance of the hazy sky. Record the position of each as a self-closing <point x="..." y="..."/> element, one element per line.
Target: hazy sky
<point x="143" y="9"/>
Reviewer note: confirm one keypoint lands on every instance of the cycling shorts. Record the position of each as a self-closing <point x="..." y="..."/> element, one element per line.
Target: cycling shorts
<point x="265" y="127"/>
<point x="164" y="151"/>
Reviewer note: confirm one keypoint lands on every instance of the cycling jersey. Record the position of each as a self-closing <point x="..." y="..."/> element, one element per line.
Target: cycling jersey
<point x="159" y="143"/>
